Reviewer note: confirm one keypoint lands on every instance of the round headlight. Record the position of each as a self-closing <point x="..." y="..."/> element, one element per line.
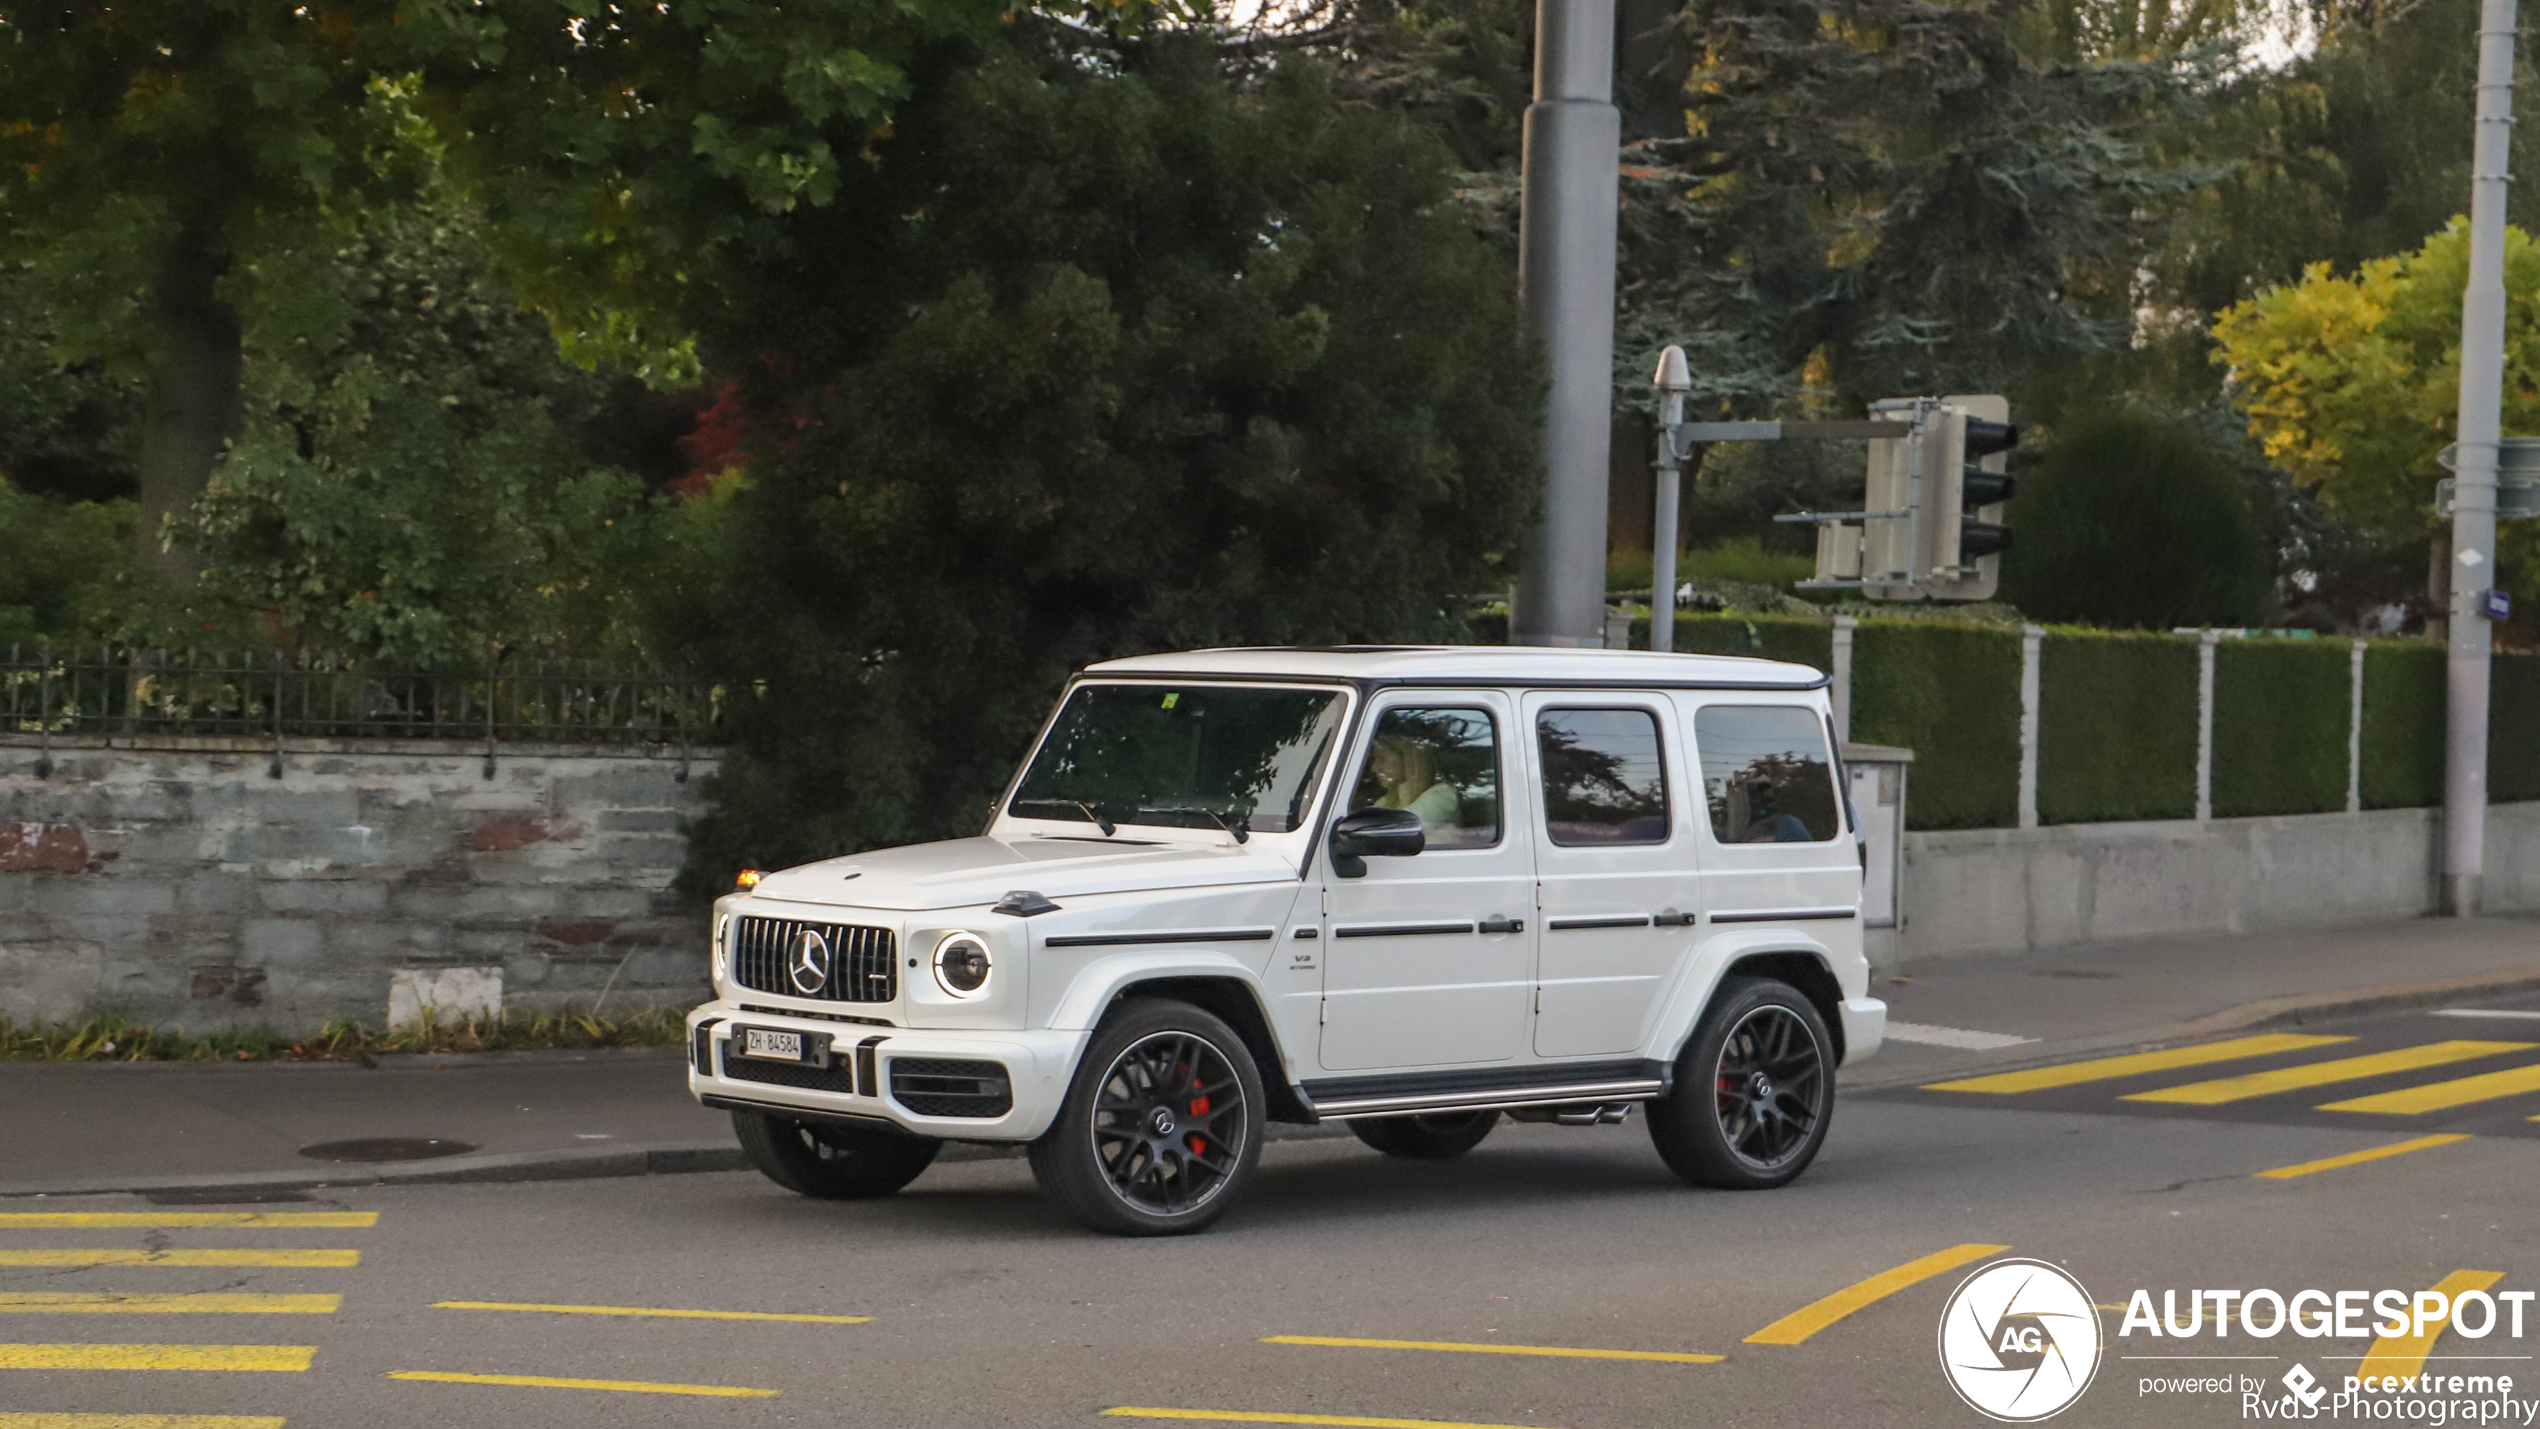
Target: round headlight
<point x="961" y="964"/>
<point x="722" y="945"/>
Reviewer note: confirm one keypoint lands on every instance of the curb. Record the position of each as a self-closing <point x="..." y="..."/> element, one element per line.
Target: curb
<point x="572" y="1165"/>
<point x="2294" y="1011"/>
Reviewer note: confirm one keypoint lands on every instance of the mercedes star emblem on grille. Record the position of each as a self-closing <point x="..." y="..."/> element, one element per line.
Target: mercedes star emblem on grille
<point x="808" y="966"/>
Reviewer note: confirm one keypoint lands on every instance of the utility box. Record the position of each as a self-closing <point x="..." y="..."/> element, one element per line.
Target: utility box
<point x="1875" y="775"/>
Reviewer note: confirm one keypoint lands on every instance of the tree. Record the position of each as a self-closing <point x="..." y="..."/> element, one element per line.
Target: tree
<point x="2352" y="384"/>
<point x="1883" y="197"/>
<point x="411" y="478"/>
<point x="1106" y="351"/>
<point x="2133" y="518"/>
<point x="141" y="144"/>
<point x="621" y="152"/>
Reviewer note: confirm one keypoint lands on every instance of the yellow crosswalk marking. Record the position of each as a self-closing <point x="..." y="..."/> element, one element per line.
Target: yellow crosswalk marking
<point x="641" y="1313"/>
<point x="2443" y="1096"/>
<point x="1799" y="1324"/>
<point x="1255" y="1416"/>
<point x="105" y="1302"/>
<point x="2404" y="1355"/>
<point x="188" y="1220"/>
<point x="1549" y="1351"/>
<point x="2321" y="1074"/>
<point x="222" y="1259"/>
<point x="2135" y="1064"/>
<point x="621" y="1386"/>
<point x="139" y="1421"/>
<point x="2358" y="1158"/>
<point x="284" y="1359"/>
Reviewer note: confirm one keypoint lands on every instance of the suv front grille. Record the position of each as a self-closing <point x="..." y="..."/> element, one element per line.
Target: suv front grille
<point x="933" y="1087"/>
<point x="862" y="962"/>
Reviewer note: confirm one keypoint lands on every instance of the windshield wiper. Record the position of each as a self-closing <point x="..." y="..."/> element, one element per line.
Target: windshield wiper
<point x="1239" y="832"/>
<point x="1107" y="826"/>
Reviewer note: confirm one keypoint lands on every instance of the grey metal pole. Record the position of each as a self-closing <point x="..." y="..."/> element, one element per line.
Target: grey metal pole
<point x="2474" y="471"/>
<point x="1565" y="240"/>
<point x="1674" y="379"/>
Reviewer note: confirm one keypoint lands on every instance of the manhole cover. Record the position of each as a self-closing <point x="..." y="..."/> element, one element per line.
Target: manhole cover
<point x="387" y="1148"/>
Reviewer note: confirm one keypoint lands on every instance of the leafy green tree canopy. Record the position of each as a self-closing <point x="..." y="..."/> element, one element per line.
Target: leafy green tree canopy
<point x="2352" y="384"/>
<point x="1110" y="352"/>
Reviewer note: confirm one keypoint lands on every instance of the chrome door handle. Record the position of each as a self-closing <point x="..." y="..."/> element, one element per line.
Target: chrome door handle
<point x="1503" y="925"/>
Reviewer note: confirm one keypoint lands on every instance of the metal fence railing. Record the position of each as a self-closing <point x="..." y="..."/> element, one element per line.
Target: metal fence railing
<point x="115" y="690"/>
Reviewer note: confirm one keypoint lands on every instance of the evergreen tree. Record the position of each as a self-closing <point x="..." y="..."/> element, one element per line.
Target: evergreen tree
<point x="1105" y="350"/>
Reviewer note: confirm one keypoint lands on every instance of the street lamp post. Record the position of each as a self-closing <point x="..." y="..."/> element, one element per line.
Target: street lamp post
<point x="2474" y="487"/>
<point x="1566" y="272"/>
<point x="1673" y="381"/>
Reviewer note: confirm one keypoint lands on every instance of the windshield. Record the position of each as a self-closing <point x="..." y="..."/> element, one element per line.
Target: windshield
<point x="1197" y="756"/>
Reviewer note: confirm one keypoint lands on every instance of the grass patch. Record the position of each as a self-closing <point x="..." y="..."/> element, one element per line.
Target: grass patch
<point x="108" y="1036"/>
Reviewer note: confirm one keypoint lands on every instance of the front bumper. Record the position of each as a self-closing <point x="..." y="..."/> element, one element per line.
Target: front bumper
<point x="1864" y="1027"/>
<point x="864" y="1076"/>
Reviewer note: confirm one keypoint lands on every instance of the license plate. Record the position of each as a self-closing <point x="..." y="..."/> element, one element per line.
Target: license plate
<point x="758" y="1042"/>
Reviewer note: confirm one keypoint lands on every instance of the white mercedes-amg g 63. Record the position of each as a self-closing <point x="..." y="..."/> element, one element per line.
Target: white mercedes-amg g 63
<point x="1412" y="889"/>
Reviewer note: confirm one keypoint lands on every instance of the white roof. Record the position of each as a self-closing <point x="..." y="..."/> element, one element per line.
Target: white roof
<point x="1473" y="664"/>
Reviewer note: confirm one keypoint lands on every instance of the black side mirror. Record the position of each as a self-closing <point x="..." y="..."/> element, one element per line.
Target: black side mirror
<point x="1375" y="833"/>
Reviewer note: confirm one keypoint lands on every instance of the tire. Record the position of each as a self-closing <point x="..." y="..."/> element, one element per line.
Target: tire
<point x="830" y="1160"/>
<point x="1754" y="1090"/>
<point x="1161" y="1128"/>
<point x="1433" y="1136"/>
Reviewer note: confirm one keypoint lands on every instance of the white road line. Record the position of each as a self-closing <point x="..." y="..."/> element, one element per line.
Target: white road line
<point x="2484" y="1012"/>
<point x="1958" y="1037"/>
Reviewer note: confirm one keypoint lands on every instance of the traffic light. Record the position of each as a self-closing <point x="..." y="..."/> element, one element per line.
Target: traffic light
<point x="1964" y="536"/>
<point x="1930" y="527"/>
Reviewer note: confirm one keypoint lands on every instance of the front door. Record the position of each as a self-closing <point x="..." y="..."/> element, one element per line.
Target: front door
<point x="1428" y="961"/>
<point x="1614" y="853"/>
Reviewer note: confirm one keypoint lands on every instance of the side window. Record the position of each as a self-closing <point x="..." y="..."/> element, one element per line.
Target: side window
<point x="1442" y="764"/>
<point x="1604" y="777"/>
<point x="1766" y="775"/>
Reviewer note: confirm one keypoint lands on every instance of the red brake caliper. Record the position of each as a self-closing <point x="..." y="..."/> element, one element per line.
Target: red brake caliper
<point x="1199" y="1144"/>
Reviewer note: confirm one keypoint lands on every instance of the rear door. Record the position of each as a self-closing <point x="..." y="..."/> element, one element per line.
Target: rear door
<point x="1614" y="865"/>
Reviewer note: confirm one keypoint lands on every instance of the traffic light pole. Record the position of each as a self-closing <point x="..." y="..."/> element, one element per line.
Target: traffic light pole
<point x="2474" y="489"/>
<point x="1565" y="240"/>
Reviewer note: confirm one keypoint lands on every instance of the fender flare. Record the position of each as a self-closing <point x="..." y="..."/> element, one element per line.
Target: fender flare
<point x="1098" y="982"/>
<point x="1711" y="966"/>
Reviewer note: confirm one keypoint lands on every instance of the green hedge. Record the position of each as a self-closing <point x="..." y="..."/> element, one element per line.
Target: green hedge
<point x="2513" y="729"/>
<point x="1798" y="639"/>
<point x="2280" y="709"/>
<point x="2116" y="727"/>
<point x="1951" y="694"/>
<point x="2403" y="725"/>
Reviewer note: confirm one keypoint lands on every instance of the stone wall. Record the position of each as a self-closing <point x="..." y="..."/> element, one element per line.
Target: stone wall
<point x="1975" y="891"/>
<point x="184" y="883"/>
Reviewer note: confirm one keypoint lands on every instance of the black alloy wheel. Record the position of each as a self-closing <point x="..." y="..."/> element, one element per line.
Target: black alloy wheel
<point x="1765" y="1090"/>
<point x="1754" y="1090"/>
<point x="1428" y="1136"/>
<point x="1162" y="1127"/>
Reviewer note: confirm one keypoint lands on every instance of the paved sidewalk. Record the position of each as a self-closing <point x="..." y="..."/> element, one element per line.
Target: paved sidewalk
<point x="526" y="1115"/>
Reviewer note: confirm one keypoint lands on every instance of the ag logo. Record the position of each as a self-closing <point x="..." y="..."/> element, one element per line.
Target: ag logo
<point x="2019" y="1340"/>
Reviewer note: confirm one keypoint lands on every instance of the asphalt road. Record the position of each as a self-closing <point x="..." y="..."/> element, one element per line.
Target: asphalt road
<point x="968" y="1301"/>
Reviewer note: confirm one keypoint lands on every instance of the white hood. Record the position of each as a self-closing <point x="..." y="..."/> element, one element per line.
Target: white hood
<point x="959" y="873"/>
